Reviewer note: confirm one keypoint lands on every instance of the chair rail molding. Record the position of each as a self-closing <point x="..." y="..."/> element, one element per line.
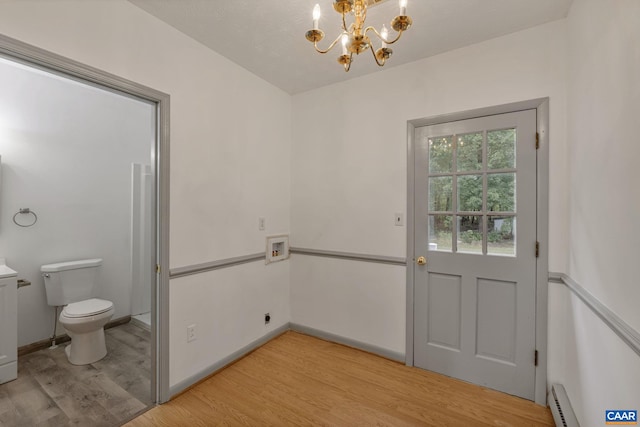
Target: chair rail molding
<point x="625" y="331"/>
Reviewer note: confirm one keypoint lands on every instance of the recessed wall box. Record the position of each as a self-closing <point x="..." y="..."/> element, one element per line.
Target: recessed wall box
<point x="277" y="248"/>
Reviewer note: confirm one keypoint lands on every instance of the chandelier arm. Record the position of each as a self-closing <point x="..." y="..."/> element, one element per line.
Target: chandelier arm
<point x="381" y="38"/>
<point x="373" y="52"/>
<point x="344" y="22"/>
<point x="315" y="44"/>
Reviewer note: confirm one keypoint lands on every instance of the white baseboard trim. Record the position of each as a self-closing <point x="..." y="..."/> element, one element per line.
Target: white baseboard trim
<point x="369" y="348"/>
<point x="226" y="361"/>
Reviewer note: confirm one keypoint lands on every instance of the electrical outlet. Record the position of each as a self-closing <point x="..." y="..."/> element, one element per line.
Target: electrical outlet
<point x="261" y="223"/>
<point x="267" y="318"/>
<point x="399" y="219"/>
<point x="191" y="333"/>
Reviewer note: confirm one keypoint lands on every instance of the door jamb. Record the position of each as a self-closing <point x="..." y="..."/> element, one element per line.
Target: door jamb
<point x="541" y="105"/>
<point x="21" y="52"/>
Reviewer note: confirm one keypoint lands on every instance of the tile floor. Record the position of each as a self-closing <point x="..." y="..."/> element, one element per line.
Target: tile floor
<point x="50" y="391"/>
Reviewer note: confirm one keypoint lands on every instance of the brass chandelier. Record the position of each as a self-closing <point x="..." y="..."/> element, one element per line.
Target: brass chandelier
<point x="355" y="38"/>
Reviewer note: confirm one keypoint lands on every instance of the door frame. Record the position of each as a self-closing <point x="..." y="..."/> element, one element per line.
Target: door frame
<point x="33" y="56"/>
<point x="541" y="105"/>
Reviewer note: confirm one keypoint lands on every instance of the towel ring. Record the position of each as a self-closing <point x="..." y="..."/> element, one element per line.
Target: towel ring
<point x="25" y="211"/>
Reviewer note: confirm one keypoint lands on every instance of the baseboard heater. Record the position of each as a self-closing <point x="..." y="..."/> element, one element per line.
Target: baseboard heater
<point x="561" y="409"/>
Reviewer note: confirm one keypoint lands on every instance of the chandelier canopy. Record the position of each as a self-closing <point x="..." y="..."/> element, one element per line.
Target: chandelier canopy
<point x="355" y="37"/>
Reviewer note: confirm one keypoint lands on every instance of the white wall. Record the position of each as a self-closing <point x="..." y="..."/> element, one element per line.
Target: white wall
<point x="230" y="155"/>
<point x="67" y="150"/>
<point x="349" y="170"/>
<point x="604" y="204"/>
<point x="233" y="302"/>
<point x="604" y="106"/>
<point x="366" y="304"/>
<point x="231" y="141"/>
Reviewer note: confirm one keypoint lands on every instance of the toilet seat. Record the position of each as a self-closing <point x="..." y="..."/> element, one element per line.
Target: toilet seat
<point x="86" y="308"/>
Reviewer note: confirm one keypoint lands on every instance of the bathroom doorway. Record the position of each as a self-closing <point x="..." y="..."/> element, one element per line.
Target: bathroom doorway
<point x="110" y="201"/>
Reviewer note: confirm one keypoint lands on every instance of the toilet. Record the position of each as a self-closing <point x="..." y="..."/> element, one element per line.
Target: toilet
<point x="73" y="284"/>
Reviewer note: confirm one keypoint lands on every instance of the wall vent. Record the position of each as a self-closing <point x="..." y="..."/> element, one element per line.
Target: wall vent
<point x="561" y="409"/>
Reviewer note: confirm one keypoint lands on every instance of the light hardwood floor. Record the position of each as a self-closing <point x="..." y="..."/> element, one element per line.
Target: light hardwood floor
<point x="300" y="380"/>
<point x="50" y="391"/>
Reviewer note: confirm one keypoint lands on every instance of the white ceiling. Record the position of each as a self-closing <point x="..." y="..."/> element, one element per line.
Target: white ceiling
<point x="267" y="37"/>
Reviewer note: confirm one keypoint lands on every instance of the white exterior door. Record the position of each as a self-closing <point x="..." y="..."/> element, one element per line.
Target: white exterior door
<point x="475" y="226"/>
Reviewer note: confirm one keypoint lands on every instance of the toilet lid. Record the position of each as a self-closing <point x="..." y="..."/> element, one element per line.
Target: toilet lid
<point x="88" y="307"/>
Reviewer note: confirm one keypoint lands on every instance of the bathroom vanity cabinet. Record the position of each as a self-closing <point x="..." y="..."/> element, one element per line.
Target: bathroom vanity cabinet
<point x="8" y="323"/>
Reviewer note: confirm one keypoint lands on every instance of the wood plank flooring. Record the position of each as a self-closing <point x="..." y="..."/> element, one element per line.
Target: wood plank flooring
<point x="50" y="391"/>
<point x="300" y="380"/>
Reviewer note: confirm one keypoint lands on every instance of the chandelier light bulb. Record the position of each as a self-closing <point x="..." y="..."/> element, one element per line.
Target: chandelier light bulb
<point x="345" y="40"/>
<point x="384" y="34"/>
<point x="316" y="16"/>
<point x="403" y="7"/>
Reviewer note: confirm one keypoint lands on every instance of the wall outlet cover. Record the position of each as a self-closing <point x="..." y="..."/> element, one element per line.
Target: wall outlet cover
<point x="191" y="333"/>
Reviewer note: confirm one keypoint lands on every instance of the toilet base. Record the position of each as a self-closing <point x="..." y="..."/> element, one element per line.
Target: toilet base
<point x="86" y="348"/>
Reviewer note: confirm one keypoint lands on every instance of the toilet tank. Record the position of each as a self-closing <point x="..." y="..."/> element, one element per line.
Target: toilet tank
<point x="72" y="281"/>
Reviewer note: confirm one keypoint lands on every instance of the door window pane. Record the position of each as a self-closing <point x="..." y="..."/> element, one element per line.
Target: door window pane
<point x="472" y="192"/>
<point x="469" y="156"/>
<point x="470" y="234"/>
<point x="440" y="155"/>
<point x="501" y="236"/>
<point x="440" y="194"/>
<point x="501" y="149"/>
<point x="469" y="193"/>
<point x="440" y="238"/>
<point x="501" y="192"/>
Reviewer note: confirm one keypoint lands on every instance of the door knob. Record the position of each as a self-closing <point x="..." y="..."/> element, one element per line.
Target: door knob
<point x="421" y="261"/>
